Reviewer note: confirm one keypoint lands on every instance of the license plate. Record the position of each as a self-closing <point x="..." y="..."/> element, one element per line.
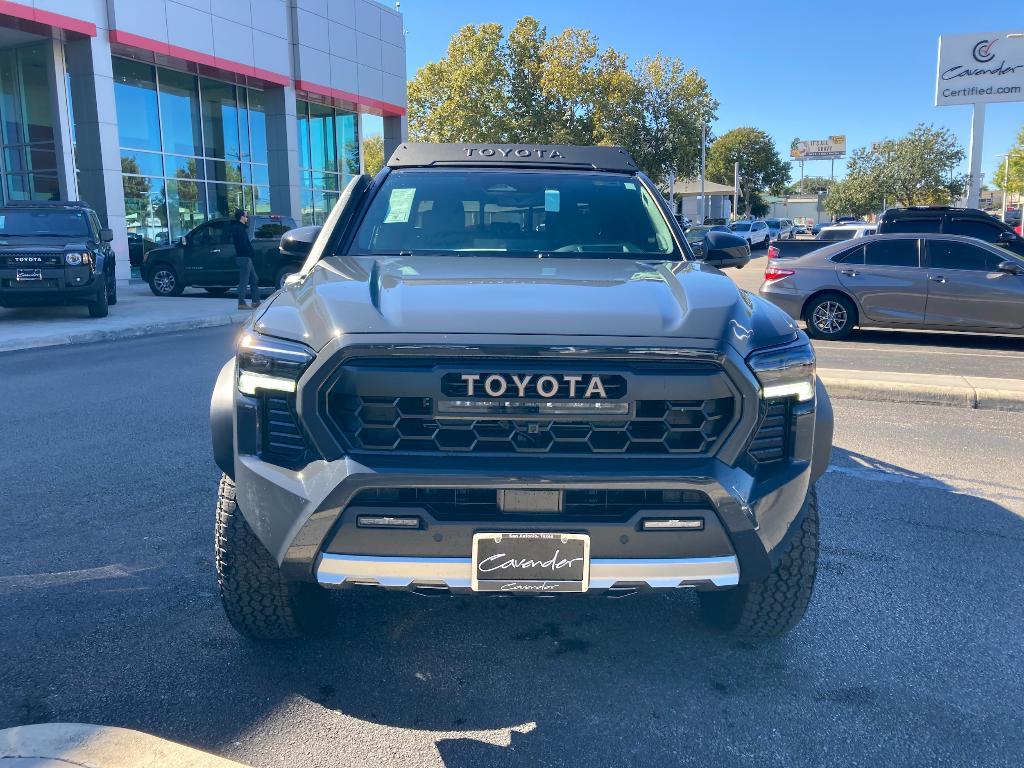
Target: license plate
<point x="531" y="563"/>
<point x="29" y="274"/>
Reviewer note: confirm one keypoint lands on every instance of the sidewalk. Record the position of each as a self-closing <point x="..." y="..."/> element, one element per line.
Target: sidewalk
<point x="137" y="313"/>
<point x="59" y="745"/>
<point x="957" y="391"/>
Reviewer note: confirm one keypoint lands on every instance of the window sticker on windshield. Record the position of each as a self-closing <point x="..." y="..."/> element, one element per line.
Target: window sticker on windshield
<point x="630" y="185"/>
<point x="400" y="205"/>
<point x="552" y="200"/>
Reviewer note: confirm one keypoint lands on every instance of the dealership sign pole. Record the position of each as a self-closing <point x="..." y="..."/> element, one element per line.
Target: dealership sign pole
<point x="979" y="69"/>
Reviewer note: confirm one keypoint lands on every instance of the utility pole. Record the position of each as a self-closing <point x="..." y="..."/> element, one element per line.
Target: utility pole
<point x="703" y="164"/>
<point x="736" y="188"/>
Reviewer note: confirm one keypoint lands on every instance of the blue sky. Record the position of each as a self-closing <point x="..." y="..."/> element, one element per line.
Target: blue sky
<point x="789" y="68"/>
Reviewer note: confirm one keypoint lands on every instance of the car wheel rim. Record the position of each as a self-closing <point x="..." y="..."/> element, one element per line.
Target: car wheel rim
<point x="829" y="317"/>
<point x="164" y="281"/>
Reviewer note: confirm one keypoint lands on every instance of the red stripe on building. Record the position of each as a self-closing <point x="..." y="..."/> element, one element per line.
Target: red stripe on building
<point x="47" y="18"/>
<point x="384" y="107"/>
<point x="196" y="57"/>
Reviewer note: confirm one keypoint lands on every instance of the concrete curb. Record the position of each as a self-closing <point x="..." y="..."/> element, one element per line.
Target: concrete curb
<point x="58" y="745"/>
<point x="131" y="332"/>
<point x="956" y="391"/>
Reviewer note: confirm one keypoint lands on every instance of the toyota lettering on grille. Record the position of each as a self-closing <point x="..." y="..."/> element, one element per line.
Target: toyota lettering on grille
<point x="546" y="386"/>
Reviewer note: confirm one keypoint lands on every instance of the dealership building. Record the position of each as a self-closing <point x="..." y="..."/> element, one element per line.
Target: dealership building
<point x="163" y="114"/>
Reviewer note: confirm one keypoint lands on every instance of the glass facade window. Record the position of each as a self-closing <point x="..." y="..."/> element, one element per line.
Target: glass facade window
<point x="328" y="156"/>
<point x="28" y="158"/>
<point x="192" y="149"/>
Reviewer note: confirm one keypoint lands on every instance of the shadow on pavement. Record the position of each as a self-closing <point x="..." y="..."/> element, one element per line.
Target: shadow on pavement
<point x="951" y="340"/>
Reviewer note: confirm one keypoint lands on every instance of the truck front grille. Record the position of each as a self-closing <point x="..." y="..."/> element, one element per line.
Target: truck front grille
<point x="475" y="504"/>
<point x="655" y="427"/>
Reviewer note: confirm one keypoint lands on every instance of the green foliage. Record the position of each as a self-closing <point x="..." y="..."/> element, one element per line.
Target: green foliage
<point x="1014" y="181"/>
<point x="564" y="89"/>
<point x="761" y="168"/>
<point x="809" y="185"/>
<point x="916" y="169"/>
<point x="373" y="154"/>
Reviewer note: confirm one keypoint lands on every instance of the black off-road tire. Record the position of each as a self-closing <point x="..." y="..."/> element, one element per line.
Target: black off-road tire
<point x="164" y="280"/>
<point x="258" y="601"/>
<point x="772" y="607"/>
<point x="111" y="290"/>
<point x="98" y="308"/>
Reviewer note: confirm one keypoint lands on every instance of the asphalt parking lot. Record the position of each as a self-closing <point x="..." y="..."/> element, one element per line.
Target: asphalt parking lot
<point x="911" y="653"/>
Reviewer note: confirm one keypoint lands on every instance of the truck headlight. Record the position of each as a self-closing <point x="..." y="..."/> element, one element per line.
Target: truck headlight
<point x="785" y="371"/>
<point x="74" y="259"/>
<point x="267" y="363"/>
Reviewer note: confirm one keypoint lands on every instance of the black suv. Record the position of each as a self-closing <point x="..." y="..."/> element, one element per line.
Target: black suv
<point x="206" y="257"/>
<point x="54" y="253"/>
<point x="502" y="370"/>
<point x="969" y="222"/>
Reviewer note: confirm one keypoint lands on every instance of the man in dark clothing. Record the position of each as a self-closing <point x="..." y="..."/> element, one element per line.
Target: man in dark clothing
<point x="243" y="260"/>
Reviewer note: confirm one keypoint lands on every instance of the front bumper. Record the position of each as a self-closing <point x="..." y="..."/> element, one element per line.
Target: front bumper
<point x="57" y="285"/>
<point x="306" y="515"/>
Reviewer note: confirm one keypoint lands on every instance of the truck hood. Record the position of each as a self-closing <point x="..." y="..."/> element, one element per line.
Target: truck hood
<point x="459" y="295"/>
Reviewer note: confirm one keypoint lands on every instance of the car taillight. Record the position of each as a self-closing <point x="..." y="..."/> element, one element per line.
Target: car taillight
<point x="773" y="252"/>
<point x="772" y="272"/>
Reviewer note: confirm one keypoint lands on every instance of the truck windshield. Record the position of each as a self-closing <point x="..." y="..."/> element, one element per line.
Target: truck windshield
<point x="515" y="213"/>
<point x="40" y="222"/>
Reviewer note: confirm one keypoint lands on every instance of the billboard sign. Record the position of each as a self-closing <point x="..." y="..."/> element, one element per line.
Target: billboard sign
<point x="979" y="69"/>
<point x="832" y="148"/>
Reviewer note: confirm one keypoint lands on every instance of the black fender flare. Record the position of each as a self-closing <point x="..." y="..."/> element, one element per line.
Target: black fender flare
<point x="824" y="424"/>
<point x="222" y="419"/>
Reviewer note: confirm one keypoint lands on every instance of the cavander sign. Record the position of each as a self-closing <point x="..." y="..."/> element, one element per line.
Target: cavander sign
<point x="979" y="68"/>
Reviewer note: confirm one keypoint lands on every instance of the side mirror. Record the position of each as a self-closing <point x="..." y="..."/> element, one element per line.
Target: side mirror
<point x="724" y="250"/>
<point x="106" y="235"/>
<point x="297" y="242"/>
<point x="1006" y="237"/>
<point x="1011" y="268"/>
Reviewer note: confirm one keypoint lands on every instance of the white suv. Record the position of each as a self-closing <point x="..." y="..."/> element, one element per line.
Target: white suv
<point x="755" y="232"/>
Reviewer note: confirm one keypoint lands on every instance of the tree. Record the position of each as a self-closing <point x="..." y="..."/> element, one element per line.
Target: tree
<point x="916" y="169"/>
<point x="761" y="168"/>
<point x="564" y="89"/>
<point x="809" y="185"/>
<point x="1014" y="181"/>
<point x="373" y="154"/>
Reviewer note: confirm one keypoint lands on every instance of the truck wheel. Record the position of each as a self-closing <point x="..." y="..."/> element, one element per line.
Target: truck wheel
<point x="164" y="281"/>
<point x="774" y="606"/>
<point x="830" y="316"/>
<point x="111" y="290"/>
<point x="258" y="601"/>
<point x="98" y="308"/>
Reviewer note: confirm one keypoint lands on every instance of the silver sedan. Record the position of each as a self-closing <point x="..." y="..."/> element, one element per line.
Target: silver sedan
<point x="926" y="281"/>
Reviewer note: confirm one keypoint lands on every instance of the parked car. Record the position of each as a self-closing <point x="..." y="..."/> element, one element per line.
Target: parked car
<point x="54" y="253"/>
<point x="716" y="222"/>
<point x="970" y="222"/>
<point x="799" y="229"/>
<point x="781" y="229"/>
<point x="425" y="409"/>
<point x="795" y="248"/>
<point x="695" y="236"/>
<point x="755" y="232"/>
<point x="205" y="257"/>
<point x="933" y="281"/>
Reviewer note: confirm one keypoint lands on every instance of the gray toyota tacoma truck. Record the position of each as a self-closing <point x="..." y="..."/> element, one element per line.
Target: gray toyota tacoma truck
<point x="502" y="370"/>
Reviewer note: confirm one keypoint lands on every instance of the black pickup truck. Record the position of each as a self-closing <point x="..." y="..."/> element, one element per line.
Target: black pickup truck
<point x="205" y="257"/>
